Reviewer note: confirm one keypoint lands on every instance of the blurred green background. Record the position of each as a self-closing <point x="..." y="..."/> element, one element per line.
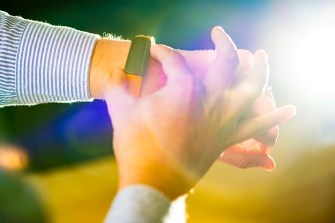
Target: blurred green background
<point x="71" y="167"/>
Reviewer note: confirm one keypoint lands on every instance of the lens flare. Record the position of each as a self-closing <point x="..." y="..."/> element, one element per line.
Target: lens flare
<point x="12" y="158"/>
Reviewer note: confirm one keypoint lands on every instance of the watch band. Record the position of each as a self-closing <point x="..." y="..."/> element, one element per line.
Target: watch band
<point x="137" y="62"/>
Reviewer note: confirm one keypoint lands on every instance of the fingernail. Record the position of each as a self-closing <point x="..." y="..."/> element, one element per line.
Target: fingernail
<point x="219" y="28"/>
<point x="293" y="110"/>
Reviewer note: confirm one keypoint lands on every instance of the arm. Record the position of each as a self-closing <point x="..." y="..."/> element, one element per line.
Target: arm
<point x="43" y="63"/>
<point x="40" y="63"/>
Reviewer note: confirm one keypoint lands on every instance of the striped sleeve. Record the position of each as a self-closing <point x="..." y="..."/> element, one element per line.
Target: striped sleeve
<point x="144" y="204"/>
<point x="40" y="63"/>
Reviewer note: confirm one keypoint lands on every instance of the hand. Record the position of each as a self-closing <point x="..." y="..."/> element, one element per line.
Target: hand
<point x="170" y="138"/>
<point x="250" y="153"/>
<point x="254" y="152"/>
<point x="109" y="54"/>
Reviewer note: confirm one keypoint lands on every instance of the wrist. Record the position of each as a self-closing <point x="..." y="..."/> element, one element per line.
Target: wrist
<point x="107" y="55"/>
<point x="170" y="181"/>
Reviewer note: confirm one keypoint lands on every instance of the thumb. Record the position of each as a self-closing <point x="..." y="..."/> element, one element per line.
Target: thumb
<point x="115" y="92"/>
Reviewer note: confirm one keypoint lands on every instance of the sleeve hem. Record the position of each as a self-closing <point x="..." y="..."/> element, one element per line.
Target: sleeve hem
<point x="139" y="203"/>
<point x="11" y="30"/>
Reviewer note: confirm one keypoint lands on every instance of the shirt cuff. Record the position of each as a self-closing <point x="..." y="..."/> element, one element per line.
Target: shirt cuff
<point x="49" y="63"/>
<point x="140" y="204"/>
<point x="11" y="29"/>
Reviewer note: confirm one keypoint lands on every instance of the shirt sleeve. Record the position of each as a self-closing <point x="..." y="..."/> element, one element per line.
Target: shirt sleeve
<point x="144" y="204"/>
<point x="41" y="63"/>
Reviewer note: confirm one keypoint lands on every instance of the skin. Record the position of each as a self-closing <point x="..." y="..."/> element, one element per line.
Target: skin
<point x="110" y="54"/>
<point x="170" y="138"/>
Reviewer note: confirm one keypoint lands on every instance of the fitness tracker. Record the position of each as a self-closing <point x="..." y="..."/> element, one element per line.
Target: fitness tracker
<point x="137" y="62"/>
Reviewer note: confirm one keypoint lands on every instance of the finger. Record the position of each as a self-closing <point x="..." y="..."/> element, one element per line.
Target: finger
<point x="244" y="67"/>
<point x="252" y="86"/>
<point x="260" y="73"/>
<point x="245" y="58"/>
<point x="264" y="104"/>
<point x="222" y="69"/>
<point x="116" y="94"/>
<point x="268" y="138"/>
<point x="253" y="127"/>
<point x="172" y="62"/>
<point x="242" y="157"/>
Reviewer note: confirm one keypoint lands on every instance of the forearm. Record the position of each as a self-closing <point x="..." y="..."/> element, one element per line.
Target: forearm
<point x="109" y="54"/>
<point x="42" y="63"/>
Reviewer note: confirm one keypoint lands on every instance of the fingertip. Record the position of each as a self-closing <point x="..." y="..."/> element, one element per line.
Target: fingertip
<point x="293" y="109"/>
<point x="216" y="32"/>
<point x="261" y="69"/>
<point x="283" y="114"/>
<point x="268" y="164"/>
<point x="290" y="110"/>
<point x="261" y="55"/>
<point x="223" y="42"/>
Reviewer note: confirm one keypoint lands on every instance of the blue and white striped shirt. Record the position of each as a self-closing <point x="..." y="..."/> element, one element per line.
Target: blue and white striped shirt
<point x="40" y="63"/>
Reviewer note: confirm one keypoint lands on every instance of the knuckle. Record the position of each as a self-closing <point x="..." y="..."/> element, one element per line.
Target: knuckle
<point x="242" y="163"/>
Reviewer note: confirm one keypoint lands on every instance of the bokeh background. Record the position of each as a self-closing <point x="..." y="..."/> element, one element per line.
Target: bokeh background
<point x="57" y="160"/>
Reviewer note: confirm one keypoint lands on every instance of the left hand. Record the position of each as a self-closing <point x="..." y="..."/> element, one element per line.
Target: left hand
<point x="253" y="152"/>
